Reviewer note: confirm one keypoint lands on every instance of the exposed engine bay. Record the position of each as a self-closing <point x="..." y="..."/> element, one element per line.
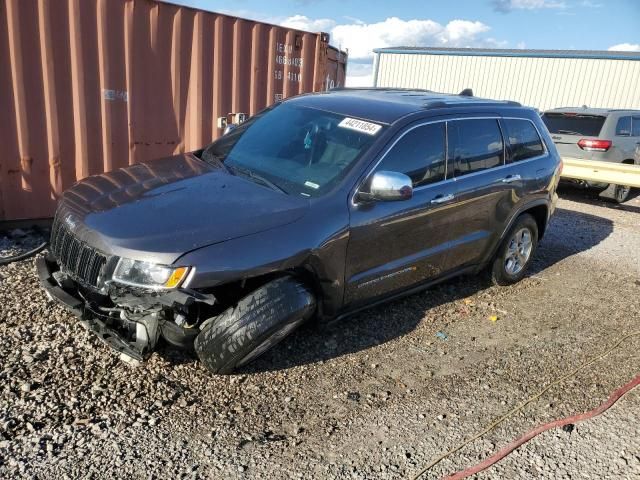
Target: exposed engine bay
<point x="132" y="320"/>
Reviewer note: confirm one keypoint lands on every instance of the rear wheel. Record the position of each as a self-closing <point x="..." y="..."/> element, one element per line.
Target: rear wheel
<point x="616" y="193"/>
<point x="516" y="251"/>
<point x="257" y="323"/>
<point x="621" y="193"/>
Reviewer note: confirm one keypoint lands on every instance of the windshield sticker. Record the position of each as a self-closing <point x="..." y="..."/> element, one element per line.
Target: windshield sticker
<point x="360" y="126"/>
<point x="311" y="185"/>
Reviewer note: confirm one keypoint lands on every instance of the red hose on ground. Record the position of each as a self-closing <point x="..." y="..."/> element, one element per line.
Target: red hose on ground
<point x="615" y="396"/>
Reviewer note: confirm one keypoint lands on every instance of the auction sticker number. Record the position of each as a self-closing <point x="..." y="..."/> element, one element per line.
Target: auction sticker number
<point x="360" y="126"/>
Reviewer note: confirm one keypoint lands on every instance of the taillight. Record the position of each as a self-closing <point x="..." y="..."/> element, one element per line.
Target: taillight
<point x="594" y="145"/>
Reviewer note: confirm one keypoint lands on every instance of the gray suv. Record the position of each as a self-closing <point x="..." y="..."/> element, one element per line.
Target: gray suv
<point x="319" y="206"/>
<point x="596" y="134"/>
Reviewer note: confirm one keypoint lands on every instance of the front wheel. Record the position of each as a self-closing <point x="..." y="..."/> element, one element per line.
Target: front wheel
<point x="516" y="251"/>
<point x="258" y="322"/>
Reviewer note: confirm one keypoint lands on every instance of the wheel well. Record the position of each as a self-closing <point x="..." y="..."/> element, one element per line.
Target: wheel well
<point x="229" y="294"/>
<point x="540" y="214"/>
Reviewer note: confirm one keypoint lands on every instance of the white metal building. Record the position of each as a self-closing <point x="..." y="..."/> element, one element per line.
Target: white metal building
<point x="542" y="79"/>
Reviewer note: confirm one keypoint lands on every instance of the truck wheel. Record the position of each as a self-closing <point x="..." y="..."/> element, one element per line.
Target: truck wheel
<point x="516" y="251"/>
<point x="258" y="322"/>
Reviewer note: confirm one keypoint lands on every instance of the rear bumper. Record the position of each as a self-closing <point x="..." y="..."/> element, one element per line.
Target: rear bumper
<point x="88" y="317"/>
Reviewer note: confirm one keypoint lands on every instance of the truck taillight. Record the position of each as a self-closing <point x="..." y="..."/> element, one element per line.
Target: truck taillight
<point x="594" y="145"/>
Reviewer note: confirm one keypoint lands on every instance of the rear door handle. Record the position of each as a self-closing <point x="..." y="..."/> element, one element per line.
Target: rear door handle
<point x="511" y="178"/>
<point x="443" y="198"/>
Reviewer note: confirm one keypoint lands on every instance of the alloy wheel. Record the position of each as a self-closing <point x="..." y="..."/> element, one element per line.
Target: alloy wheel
<point x="518" y="251"/>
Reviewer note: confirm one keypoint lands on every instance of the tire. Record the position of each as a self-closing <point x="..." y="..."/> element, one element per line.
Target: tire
<point x="616" y="193"/>
<point x="258" y="322"/>
<point x="178" y="336"/>
<point x="621" y="193"/>
<point x="510" y="266"/>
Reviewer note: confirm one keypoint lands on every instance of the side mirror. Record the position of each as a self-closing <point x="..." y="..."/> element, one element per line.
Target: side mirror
<point x="388" y="187"/>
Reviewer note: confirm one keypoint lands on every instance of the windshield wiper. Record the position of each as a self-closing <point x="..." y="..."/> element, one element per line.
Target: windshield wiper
<point x="258" y="178"/>
<point x="212" y="158"/>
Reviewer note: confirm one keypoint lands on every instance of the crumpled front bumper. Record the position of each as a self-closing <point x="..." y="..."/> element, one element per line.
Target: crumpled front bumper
<point x="93" y="320"/>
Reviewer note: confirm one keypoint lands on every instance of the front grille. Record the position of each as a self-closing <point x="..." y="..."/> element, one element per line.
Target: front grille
<point x="74" y="256"/>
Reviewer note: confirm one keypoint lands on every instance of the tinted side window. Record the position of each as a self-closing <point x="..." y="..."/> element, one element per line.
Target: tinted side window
<point x="623" y="127"/>
<point x="419" y="154"/>
<point x="635" y="130"/>
<point x="475" y="145"/>
<point x="522" y="139"/>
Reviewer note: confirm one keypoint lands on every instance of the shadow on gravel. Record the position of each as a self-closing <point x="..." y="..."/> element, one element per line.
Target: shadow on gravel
<point x="590" y="197"/>
<point x="570" y="233"/>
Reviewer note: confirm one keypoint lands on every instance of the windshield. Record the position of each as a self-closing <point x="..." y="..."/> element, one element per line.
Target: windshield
<point x="298" y="150"/>
<point x="574" y="124"/>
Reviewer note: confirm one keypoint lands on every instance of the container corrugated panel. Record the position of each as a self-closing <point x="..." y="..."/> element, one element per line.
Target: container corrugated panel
<point x="91" y="86"/>
<point x="539" y="82"/>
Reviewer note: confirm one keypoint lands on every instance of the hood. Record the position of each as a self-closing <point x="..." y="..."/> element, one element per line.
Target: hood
<point x="159" y="210"/>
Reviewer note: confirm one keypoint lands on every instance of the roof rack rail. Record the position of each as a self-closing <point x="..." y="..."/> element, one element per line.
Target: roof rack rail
<point x="384" y="89"/>
<point x="467" y="92"/>
<point x="436" y="104"/>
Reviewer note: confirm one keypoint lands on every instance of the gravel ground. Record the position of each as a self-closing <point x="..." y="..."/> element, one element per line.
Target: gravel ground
<point x="376" y="396"/>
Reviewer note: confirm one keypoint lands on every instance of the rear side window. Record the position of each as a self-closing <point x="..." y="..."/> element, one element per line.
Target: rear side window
<point x="574" y="124"/>
<point x="418" y="154"/>
<point x="635" y="130"/>
<point x="475" y="145"/>
<point x="522" y="140"/>
<point x="623" y="127"/>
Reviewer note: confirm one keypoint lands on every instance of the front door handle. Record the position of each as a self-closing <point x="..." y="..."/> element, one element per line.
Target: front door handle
<point x="511" y="178"/>
<point x="443" y="198"/>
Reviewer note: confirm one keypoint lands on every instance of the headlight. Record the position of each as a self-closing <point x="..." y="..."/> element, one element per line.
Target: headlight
<point x="148" y="275"/>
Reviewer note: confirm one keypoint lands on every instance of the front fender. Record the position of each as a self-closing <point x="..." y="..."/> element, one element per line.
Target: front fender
<point x="302" y="245"/>
<point x="241" y="258"/>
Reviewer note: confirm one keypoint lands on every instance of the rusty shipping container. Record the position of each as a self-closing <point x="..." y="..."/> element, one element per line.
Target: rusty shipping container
<point x="88" y="86"/>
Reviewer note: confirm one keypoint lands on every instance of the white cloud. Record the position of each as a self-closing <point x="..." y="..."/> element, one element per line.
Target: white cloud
<point x="506" y="6"/>
<point x="353" y="20"/>
<point x="462" y="31"/>
<point x="625" y="47"/>
<point x="360" y="73"/>
<point x="359" y="80"/>
<point x="361" y="38"/>
<point x="302" y="22"/>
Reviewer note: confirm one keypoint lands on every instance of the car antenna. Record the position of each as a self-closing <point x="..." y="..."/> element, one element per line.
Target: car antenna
<point x="467" y="92"/>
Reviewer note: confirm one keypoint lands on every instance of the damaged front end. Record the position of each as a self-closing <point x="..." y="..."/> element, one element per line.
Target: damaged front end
<point x="108" y="295"/>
